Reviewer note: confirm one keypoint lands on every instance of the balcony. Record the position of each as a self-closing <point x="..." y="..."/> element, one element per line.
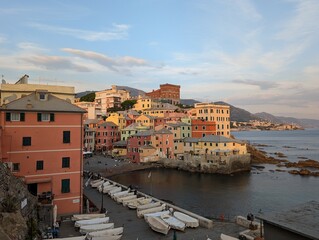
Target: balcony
<point x="45" y="197"/>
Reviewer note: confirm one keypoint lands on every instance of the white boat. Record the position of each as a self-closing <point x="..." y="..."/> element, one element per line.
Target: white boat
<point x="77" y="217"/>
<point x="150" y="210"/>
<point x="149" y="205"/>
<point x="188" y="220"/>
<point x="108" y="188"/>
<point x="97" y="184"/>
<point x="108" y="232"/>
<point x="173" y="222"/>
<point x="158" y="225"/>
<point x="95" y="181"/>
<point x="226" y="237"/>
<point x="134" y="203"/>
<point x="117" y="198"/>
<point x="115" y="190"/>
<point x="156" y="214"/>
<point x="81" y="223"/>
<point x="124" y="200"/>
<point x="114" y="195"/>
<point x="104" y="185"/>
<point x="97" y="227"/>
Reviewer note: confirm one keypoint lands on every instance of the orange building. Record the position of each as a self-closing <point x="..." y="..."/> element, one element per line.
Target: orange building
<point x="168" y="93"/>
<point x="41" y="141"/>
<point x="202" y="128"/>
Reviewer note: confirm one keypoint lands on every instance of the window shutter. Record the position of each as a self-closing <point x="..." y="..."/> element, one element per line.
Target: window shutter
<point x="22" y="117"/>
<point x="8" y="117"/>
<point x="39" y="117"/>
<point x="51" y="117"/>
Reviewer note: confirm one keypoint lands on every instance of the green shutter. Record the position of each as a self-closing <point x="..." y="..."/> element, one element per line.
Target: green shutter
<point x="39" y="117"/>
<point x="22" y="117"/>
<point x="8" y="116"/>
<point x="51" y="117"/>
<point x="65" y="188"/>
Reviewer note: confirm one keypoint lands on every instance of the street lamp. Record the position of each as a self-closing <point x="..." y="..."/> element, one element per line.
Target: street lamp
<point x="102" y="208"/>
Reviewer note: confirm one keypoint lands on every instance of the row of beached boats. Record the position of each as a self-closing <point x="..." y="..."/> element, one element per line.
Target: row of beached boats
<point x="95" y="227"/>
<point x="154" y="212"/>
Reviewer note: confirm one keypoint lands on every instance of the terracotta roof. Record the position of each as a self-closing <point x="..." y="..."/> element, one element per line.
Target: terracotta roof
<point x="31" y="103"/>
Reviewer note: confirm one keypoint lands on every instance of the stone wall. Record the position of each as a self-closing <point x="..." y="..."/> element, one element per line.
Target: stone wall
<point x="210" y="164"/>
<point x="15" y="224"/>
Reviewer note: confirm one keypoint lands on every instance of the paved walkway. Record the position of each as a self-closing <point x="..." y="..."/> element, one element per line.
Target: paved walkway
<point x="136" y="228"/>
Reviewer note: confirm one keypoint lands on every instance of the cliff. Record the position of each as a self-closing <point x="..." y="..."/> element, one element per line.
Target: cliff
<point x="17" y="207"/>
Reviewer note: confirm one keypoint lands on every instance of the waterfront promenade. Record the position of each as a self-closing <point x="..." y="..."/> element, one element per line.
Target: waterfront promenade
<point x="134" y="227"/>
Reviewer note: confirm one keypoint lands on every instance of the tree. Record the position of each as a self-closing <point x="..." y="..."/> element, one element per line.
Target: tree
<point x="128" y="104"/>
<point x="114" y="109"/>
<point x="88" y="97"/>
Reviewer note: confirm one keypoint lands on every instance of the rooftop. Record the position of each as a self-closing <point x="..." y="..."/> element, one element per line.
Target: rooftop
<point x="218" y="139"/>
<point x="33" y="103"/>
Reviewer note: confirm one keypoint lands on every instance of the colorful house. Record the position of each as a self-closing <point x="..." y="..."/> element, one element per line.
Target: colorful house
<point x="117" y="118"/>
<point x="41" y="142"/>
<point x="202" y="128"/>
<point x="136" y="141"/>
<point x="107" y="133"/>
<point x="131" y="130"/>
<point x="146" y="120"/>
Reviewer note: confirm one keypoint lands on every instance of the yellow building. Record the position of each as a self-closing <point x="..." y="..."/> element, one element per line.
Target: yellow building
<point x="117" y="118"/>
<point x="142" y="103"/>
<point x="215" y="145"/>
<point x="146" y="120"/>
<point x="213" y="112"/>
<point x="10" y="92"/>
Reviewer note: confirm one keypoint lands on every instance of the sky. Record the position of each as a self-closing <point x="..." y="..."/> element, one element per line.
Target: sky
<point x="262" y="56"/>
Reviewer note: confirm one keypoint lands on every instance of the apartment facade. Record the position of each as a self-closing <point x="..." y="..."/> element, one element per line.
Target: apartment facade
<point x="215" y="113"/>
<point x="111" y="97"/>
<point x="10" y="92"/>
<point x="169" y="93"/>
<point x="107" y="133"/>
<point x="42" y="141"/>
<point x="202" y="128"/>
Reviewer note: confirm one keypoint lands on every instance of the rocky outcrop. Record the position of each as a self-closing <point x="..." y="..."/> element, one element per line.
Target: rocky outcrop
<point x="17" y="205"/>
<point x="302" y="164"/>
<point x="304" y="172"/>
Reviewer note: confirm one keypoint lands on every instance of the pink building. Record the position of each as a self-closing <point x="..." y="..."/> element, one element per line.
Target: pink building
<point x="41" y="141"/>
<point x="107" y="133"/>
<point x="134" y="143"/>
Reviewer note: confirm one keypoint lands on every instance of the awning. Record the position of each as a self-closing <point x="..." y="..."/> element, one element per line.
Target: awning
<point x="37" y="180"/>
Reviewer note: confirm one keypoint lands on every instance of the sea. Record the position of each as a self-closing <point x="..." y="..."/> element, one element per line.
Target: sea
<point x="261" y="190"/>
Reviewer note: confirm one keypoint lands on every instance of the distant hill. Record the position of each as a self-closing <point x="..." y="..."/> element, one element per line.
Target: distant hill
<point x="81" y="94"/>
<point x="238" y="114"/>
<point x="306" y="123"/>
<point x="189" y="102"/>
<point x="134" y="92"/>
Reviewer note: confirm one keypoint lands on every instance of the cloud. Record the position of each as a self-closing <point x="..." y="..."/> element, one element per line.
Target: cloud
<point x="117" y="32"/>
<point x="2" y="39"/>
<point x="303" y="24"/>
<point x="113" y="64"/>
<point x="246" y="8"/>
<point x="261" y="84"/>
<point x="55" y="63"/>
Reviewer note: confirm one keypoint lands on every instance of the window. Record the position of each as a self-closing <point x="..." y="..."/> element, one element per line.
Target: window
<point x="65" y="162"/>
<point x="66" y="136"/>
<point x="42" y="96"/>
<point x="16" y="167"/>
<point x="39" y="165"/>
<point x="65" y="185"/>
<point x="26" y="141"/>
<point x="45" y="117"/>
<point x="15" y="117"/>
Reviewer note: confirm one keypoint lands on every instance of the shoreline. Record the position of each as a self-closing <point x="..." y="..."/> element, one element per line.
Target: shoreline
<point x="257" y="157"/>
